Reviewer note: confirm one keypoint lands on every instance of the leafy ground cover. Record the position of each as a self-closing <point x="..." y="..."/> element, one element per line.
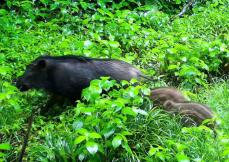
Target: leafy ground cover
<point x="188" y="52"/>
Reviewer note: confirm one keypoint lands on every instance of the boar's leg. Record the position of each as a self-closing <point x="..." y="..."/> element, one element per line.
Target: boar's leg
<point x="55" y="105"/>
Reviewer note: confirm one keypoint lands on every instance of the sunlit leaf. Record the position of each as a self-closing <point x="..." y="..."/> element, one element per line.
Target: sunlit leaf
<point x="181" y="157"/>
<point x="114" y="44"/>
<point x="129" y="111"/>
<point x="117" y="141"/>
<point x="5" y="146"/>
<point x="94" y="135"/>
<point x="152" y="151"/>
<point x="92" y="147"/>
<point x="79" y="139"/>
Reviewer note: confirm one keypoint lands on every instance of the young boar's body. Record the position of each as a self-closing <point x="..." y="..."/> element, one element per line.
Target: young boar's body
<point x="163" y="94"/>
<point x="195" y="112"/>
<point x="68" y="75"/>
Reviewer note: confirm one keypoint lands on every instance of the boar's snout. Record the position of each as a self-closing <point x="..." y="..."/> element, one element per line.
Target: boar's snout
<point x="22" y="86"/>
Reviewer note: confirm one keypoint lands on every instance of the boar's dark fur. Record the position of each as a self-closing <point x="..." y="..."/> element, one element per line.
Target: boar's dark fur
<point x="67" y="76"/>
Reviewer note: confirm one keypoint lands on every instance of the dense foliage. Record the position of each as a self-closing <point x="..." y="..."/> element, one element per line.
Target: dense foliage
<point x="122" y="125"/>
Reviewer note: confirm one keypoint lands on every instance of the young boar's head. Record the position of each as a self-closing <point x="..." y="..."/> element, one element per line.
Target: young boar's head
<point x="35" y="76"/>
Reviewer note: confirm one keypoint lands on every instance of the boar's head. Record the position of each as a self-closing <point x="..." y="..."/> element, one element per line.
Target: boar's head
<point x="35" y="76"/>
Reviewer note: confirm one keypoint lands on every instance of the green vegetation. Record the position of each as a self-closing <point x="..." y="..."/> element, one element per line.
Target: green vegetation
<point x="123" y="125"/>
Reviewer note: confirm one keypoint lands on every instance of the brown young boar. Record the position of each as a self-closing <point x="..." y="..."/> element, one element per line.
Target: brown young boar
<point x="193" y="113"/>
<point x="160" y="95"/>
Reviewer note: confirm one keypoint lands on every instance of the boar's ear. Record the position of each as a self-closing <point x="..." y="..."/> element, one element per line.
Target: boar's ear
<point x="41" y="64"/>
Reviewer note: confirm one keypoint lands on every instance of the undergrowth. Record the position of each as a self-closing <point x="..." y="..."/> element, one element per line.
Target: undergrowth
<point x="187" y="52"/>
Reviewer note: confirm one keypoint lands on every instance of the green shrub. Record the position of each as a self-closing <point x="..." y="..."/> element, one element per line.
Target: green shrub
<point x="96" y="129"/>
<point x="120" y="126"/>
<point x="187" y="51"/>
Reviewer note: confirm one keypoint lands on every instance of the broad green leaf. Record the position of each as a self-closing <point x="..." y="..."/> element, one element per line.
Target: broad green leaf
<point x="1" y="155"/>
<point x="101" y="11"/>
<point x="3" y="96"/>
<point x="94" y="135"/>
<point x="108" y="132"/>
<point x="133" y="81"/>
<point x="4" y="70"/>
<point x="4" y="146"/>
<point x="87" y="43"/>
<point x="79" y="139"/>
<point x="127" y="148"/>
<point x="87" y="110"/>
<point x="181" y="157"/>
<point x="82" y="131"/>
<point x="117" y="141"/>
<point x="226" y="152"/>
<point x="172" y="67"/>
<point x="125" y="133"/>
<point x="140" y="111"/>
<point x="77" y="125"/>
<point x="92" y="147"/>
<point x="180" y="147"/>
<point x="129" y="111"/>
<point x="3" y="12"/>
<point x="84" y="5"/>
<point x="114" y="44"/>
<point x="178" y="1"/>
<point x="184" y="59"/>
<point x="152" y="151"/>
<point x="145" y="91"/>
<point x="124" y="82"/>
<point x="81" y="157"/>
<point x="138" y="100"/>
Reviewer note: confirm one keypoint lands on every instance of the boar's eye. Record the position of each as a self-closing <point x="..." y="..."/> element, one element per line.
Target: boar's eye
<point x="41" y="64"/>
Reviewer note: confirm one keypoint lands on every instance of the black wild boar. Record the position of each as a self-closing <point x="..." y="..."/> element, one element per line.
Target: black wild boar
<point x="163" y="94"/>
<point x="193" y="113"/>
<point x="67" y="76"/>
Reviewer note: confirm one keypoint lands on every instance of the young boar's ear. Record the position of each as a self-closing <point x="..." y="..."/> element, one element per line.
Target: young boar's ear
<point x="41" y="64"/>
